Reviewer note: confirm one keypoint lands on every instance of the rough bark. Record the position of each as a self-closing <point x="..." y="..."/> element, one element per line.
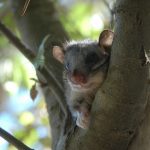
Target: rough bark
<point x="120" y="105"/>
<point x="141" y="140"/>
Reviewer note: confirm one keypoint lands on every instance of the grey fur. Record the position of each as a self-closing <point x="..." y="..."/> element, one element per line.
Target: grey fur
<point x="76" y="54"/>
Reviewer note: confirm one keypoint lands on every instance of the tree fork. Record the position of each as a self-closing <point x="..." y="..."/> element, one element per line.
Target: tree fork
<point x="119" y="107"/>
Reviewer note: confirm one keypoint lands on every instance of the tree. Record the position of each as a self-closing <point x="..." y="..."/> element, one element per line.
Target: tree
<point x="120" y="110"/>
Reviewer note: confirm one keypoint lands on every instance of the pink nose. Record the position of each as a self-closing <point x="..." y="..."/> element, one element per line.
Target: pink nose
<point x="79" y="79"/>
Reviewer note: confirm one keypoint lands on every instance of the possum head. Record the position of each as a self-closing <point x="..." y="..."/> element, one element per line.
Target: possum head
<point x="86" y="62"/>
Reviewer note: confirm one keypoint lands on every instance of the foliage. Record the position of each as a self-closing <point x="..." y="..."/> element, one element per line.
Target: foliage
<point x="84" y="20"/>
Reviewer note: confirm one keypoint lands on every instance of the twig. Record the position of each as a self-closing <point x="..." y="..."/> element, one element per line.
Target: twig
<point x="111" y="12"/>
<point x="25" y="7"/>
<point x="11" y="139"/>
<point x="16" y="41"/>
<point x="107" y="5"/>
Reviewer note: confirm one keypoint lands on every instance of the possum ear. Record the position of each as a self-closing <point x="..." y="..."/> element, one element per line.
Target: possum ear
<point x="105" y="40"/>
<point x="58" y="53"/>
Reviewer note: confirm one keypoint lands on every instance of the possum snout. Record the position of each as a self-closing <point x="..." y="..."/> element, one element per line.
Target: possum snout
<point x="78" y="78"/>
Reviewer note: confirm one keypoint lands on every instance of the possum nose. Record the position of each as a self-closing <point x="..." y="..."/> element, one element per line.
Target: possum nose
<point x="78" y="78"/>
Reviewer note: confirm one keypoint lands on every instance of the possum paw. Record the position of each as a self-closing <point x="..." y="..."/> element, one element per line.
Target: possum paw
<point x="83" y="120"/>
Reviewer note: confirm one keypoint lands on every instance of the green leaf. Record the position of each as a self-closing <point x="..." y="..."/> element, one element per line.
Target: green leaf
<point x="39" y="60"/>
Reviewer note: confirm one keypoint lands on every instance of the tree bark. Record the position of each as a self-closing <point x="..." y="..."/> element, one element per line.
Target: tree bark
<point x="119" y="107"/>
<point x="122" y="102"/>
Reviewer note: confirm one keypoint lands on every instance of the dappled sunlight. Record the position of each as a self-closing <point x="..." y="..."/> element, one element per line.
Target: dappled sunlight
<point x="97" y="22"/>
<point x="11" y="87"/>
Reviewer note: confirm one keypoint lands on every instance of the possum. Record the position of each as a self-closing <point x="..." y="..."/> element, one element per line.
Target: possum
<point x="85" y="68"/>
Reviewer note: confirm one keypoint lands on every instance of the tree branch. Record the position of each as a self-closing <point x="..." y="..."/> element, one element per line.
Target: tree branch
<point x="29" y="54"/>
<point x="11" y="139"/>
<point x="44" y="75"/>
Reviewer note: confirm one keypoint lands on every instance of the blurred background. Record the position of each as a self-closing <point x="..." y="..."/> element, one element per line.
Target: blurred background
<point x="25" y="118"/>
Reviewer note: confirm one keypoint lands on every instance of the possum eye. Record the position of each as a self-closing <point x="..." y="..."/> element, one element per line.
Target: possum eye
<point x="67" y="67"/>
<point x="96" y="66"/>
<point x="100" y="63"/>
<point x="92" y="59"/>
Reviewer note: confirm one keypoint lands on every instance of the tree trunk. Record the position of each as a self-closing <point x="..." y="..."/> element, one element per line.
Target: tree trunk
<point x="120" y="105"/>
